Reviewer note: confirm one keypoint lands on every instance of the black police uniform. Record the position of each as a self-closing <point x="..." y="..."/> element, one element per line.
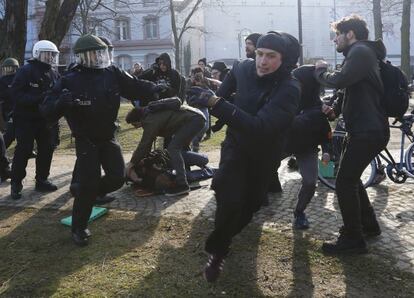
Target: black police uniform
<point x="29" y="88"/>
<point x="90" y="99"/>
<point x="7" y="108"/>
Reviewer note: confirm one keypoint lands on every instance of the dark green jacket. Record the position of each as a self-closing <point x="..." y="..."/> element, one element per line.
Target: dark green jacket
<point x="161" y="124"/>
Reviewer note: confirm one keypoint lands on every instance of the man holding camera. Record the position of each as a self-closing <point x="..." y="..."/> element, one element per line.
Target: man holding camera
<point x="89" y="98"/>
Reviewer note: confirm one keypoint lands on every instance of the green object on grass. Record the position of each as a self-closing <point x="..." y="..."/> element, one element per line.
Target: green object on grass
<point x="327" y="170"/>
<point x="96" y="213"/>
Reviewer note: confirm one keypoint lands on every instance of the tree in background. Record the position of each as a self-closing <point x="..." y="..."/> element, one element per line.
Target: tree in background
<point x="378" y="26"/>
<point x="13" y="28"/>
<point x="57" y="19"/>
<point x="179" y="29"/>
<point x="187" y="59"/>
<point x="405" y="37"/>
<point x="391" y="10"/>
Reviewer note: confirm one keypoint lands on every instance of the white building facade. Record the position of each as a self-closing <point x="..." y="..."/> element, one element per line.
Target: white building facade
<point x="140" y="31"/>
<point x="229" y="23"/>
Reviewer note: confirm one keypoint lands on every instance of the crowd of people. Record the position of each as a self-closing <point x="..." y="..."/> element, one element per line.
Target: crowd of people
<point x="271" y="107"/>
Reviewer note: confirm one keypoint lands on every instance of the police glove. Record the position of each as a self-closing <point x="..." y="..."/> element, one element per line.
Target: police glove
<point x="66" y="101"/>
<point x="160" y="88"/>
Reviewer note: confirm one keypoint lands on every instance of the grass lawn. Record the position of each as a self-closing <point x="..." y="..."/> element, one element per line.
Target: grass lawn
<point x="136" y="256"/>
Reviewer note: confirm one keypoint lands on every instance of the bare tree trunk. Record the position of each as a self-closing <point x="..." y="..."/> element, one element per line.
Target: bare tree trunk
<point x="405" y="38"/>
<point x="13" y="30"/>
<point x="175" y="35"/>
<point x="378" y="26"/>
<point x="178" y="32"/>
<point x="57" y="20"/>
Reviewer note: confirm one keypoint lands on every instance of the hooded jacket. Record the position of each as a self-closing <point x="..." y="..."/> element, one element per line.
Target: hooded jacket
<point x="171" y="78"/>
<point x="360" y="77"/>
<point x="263" y="107"/>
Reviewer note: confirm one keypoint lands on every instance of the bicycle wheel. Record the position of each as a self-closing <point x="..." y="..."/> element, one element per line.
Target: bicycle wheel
<point x="409" y="158"/>
<point x="329" y="157"/>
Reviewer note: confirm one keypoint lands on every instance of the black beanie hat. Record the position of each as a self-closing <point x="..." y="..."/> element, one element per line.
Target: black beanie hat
<point x="272" y="41"/>
<point x="253" y="37"/>
<point x="292" y="48"/>
<point x="204" y="60"/>
<point x="219" y="65"/>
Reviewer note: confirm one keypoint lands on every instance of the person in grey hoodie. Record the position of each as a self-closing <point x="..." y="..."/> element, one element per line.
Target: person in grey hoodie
<point x="366" y="126"/>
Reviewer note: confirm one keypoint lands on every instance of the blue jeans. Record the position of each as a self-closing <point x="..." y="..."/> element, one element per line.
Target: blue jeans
<point x="197" y="139"/>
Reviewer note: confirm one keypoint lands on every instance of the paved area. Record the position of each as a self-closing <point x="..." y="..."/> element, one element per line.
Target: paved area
<point x="394" y="204"/>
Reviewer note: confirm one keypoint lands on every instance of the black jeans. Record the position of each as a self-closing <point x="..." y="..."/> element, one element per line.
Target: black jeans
<point x="10" y="134"/>
<point x="240" y="186"/>
<point x="87" y="182"/>
<point x="26" y="133"/>
<point x="358" y="151"/>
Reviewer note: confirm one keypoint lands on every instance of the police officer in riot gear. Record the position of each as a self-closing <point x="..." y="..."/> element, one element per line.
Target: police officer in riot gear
<point x="8" y="71"/>
<point x="89" y="98"/>
<point x="29" y="87"/>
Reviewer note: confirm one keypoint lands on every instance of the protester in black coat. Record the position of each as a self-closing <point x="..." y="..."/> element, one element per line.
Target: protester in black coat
<point x="266" y="101"/>
<point x="162" y="73"/>
<point x="366" y="125"/>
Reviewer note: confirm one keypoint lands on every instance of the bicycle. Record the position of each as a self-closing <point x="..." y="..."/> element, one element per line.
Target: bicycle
<point x="398" y="172"/>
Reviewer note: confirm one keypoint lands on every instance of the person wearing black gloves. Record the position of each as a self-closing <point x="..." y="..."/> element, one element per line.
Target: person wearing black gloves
<point x="89" y="98"/>
<point x="163" y="74"/>
<point x="366" y="125"/>
<point x="265" y="104"/>
<point x="29" y="87"/>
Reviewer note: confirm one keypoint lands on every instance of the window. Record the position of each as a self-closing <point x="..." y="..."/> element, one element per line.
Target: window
<point x="124" y="62"/>
<point x="95" y="27"/>
<point x="151" y="28"/>
<point x="122" y="29"/>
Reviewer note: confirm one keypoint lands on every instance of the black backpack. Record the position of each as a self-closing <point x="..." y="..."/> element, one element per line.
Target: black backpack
<point x="396" y="93"/>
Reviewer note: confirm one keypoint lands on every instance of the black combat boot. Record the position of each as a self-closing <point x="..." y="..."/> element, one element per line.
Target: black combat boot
<point x="80" y="237"/>
<point x="214" y="267"/>
<point x="105" y="199"/>
<point x="16" y="190"/>
<point x="345" y="244"/>
<point x="45" y="186"/>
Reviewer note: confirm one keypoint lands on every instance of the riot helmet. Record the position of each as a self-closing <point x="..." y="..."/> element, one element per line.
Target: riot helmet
<point x="110" y="47"/>
<point x="91" y="52"/>
<point x="9" y="66"/>
<point x="46" y="51"/>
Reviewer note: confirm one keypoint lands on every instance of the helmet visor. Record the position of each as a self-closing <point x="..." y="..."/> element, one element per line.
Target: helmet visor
<point x="51" y="58"/>
<point x="7" y="70"/>
<point x="97" y="59"/>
